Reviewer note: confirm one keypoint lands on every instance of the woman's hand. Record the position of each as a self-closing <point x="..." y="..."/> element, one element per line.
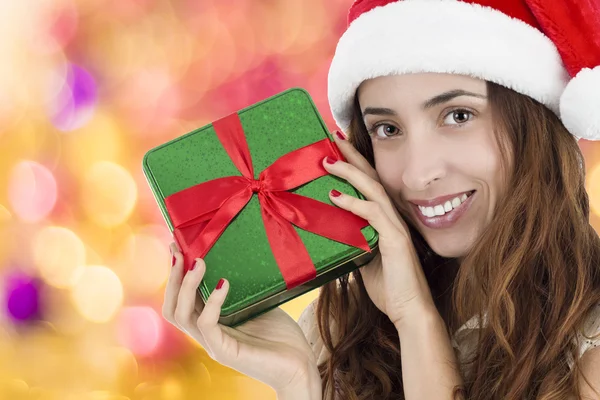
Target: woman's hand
<point x="270" y="348"/>
<point x="394" y="279"/>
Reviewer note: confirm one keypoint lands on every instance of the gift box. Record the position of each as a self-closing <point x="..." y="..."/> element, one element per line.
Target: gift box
<point x="248" y="194"/>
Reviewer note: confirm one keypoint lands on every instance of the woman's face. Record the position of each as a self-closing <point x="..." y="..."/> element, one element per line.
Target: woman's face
<point x="435" y="153"/>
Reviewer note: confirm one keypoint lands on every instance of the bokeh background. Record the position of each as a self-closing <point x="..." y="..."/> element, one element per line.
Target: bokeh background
<point x="86" y="88"/>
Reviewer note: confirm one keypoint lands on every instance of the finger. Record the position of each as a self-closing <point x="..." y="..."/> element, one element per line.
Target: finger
<point x="371" y="189"/>
<point x="373" y="213"/>
<point x="199" y="304"/>
<point x="173" y="285"/>
<point x="185" y="313"/>
<point x="353" y="156"/>
<point x="217" y="343"/>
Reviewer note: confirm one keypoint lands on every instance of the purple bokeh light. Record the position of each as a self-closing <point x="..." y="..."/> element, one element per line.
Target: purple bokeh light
<point x="21" y="297"/>
<point x="76" y="101"/>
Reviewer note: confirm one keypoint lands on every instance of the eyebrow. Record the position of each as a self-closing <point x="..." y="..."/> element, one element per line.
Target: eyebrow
<point x="434" y="101"/>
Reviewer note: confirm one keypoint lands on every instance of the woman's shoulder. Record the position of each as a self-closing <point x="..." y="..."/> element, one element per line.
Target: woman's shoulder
<point x="308" y="324"/>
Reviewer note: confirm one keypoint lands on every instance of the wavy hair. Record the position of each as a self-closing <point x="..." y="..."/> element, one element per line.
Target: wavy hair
<point x="534" y="273"/>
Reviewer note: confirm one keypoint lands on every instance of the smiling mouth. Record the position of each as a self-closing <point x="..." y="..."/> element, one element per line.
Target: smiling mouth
<point x="444" y="215"/>
<point x="444" y="208"/>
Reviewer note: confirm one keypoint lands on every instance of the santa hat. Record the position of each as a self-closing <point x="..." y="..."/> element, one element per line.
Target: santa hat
<point x="546" y="49"/>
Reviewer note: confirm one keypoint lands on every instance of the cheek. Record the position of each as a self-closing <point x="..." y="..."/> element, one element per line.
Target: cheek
<point x="479" y="158"/>
<point x="389" y="169"/>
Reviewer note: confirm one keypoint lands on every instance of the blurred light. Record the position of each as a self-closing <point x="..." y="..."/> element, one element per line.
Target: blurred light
<point x="22" y="296"/>
<point x="172" y="389"/>
<point x="147" y="261"/>
<point x="593" y="189"/>
<point x="128" y="365"/>
<point x="140" y="330"/>
<point x="55" y="25"/>
<point x="57" y="253"/>
<point x="152" y="100"/>
<point x="109" y="194"/>
<point x="31" y="191"/>
<point x="75" y="103"/>
<point x="5" y="215"/>
<point x="203" y="375"/>
<point x="103" y="395"/>
<point x="14" y="389"/>
<point x="97" y="294"/>
<point x="99" y="140"/>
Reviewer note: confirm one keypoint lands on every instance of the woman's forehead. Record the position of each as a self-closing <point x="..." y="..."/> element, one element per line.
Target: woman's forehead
<point x="416" y="87"/>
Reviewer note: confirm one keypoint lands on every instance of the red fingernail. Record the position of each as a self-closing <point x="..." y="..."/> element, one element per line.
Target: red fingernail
<point x="330" y="160"/>
<point x="194" y="265"/>
<point x="173" y="261"/>
<point x="220" y="284"/>
<point x="340" y="135"/>
<point x="335" y="193"/>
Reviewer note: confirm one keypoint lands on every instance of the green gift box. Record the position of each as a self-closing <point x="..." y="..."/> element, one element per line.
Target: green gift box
<point x="248" y="194"/>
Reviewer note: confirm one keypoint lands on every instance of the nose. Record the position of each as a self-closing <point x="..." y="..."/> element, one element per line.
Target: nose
<point x="424" y="161"/>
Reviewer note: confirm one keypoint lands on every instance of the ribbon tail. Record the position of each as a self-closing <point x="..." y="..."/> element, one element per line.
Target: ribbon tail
<point x="323" y="219"/>
<point x="290" y="254"/>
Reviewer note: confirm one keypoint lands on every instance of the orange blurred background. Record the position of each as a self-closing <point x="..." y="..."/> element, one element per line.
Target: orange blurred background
<point x="86" y="88"/>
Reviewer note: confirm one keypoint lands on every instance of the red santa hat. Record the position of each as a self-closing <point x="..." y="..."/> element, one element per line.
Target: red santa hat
<point x="546" y="49"/>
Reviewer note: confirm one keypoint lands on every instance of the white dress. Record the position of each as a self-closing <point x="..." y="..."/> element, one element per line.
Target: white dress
<point x="463" y="340"/>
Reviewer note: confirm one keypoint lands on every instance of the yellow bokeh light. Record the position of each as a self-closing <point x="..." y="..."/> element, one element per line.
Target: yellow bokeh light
<point x="57" y="253"/>
<point x="99" y="140"/>
<point x="5" y="215"/>
<point x="146" y="264"/>
<point x="593" y="189"/>
<point x="109" y="194"/>
<point x="97" y="293"/>
<point x="104" y="395"/>
<point x="171" y="389"/>
<point x="128" y="365"/>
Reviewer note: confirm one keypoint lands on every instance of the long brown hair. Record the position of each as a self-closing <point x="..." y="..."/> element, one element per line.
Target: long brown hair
<point x="535" y="270"/>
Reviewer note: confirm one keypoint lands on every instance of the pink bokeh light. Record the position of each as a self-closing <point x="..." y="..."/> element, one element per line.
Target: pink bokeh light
<point x="32" y="191"/>
<point x="140" y="329"/>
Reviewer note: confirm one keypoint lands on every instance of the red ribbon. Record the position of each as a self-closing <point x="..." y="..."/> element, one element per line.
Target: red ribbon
<point x="201" y="213"/>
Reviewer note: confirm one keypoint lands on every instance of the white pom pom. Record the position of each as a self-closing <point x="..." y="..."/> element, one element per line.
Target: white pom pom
<point x="580" y="104"/>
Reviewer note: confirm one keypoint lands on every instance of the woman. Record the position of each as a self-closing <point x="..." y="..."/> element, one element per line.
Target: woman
<point x="487" y="282"/>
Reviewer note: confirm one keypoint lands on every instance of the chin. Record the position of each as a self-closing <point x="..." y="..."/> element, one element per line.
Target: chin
<point x="448" y="248"/>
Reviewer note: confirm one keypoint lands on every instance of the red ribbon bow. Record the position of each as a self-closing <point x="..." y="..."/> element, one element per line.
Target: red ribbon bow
<point x="201" y="213"/>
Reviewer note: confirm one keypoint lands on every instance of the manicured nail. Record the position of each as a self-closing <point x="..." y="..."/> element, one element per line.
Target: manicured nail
<point x="219" y="284"/>
<point x="195" y="265"/>
<point x="335" y="193"/>
<point x="330" y="160"/>
<point x="340" y="135"/>
<point x="173" y="261"/>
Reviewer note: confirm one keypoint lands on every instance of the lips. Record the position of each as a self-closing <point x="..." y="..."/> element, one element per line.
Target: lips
<point x="439" y="200"/>
<point x="449" y="219"/>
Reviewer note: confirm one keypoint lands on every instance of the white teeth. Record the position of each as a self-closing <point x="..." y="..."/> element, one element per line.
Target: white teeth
<point x="442" y="209"/>
<point x="439" y="210"/>
<point x="447" y="206"/>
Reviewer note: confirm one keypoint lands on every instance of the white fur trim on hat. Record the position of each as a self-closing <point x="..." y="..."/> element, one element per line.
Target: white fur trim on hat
<point x="580" y="104"/>
<point x="444" y="36"/>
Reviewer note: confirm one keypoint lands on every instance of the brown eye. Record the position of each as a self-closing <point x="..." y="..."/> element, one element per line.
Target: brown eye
<point x="461" y="116"/>
<point x="385" y="130"/>
<point x="457" y="117"/>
